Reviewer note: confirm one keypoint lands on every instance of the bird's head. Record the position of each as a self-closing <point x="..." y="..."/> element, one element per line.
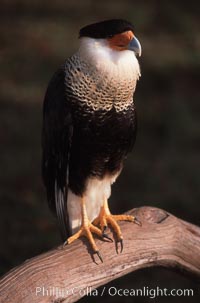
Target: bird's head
<point x="117" y="34"/>
<point x="110" y="43"/>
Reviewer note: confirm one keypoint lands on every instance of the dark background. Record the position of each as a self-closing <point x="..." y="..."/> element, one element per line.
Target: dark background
<point x="163" y="170"/>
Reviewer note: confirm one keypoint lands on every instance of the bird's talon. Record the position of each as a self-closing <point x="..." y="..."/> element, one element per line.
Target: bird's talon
<point x="104" y="228"/>
<point x="136" y="221"/>
<point x="65" y="243"/>
<point x="99" y="255"/>
<point x="121" y="245"/>
<point x="107" y="237"/>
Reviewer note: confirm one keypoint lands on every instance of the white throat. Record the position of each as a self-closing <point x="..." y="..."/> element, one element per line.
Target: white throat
<point x="105" y="59"/>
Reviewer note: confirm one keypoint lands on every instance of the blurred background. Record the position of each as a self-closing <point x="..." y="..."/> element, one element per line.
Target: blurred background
<point x="163" y="170"/>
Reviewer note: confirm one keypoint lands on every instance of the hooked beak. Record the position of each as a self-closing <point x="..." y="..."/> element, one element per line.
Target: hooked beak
<point x="135" y="46"/>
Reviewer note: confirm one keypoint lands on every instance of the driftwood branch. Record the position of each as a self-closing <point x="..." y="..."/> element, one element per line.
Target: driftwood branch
<point x="66" y="274"/>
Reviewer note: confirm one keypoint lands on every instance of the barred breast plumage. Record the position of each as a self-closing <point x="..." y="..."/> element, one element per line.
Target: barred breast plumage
<point x="103" y="82"/>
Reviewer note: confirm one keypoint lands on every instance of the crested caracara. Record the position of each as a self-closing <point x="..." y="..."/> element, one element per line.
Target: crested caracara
<point x="89" y="127"/>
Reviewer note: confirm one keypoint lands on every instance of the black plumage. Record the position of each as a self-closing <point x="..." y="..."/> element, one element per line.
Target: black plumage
<point x="106" y="29"/>
<point x="56" y="144"/>
<point x="101" y="141"/>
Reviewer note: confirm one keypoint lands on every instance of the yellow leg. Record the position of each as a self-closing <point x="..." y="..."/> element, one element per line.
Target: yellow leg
<point x="105" y="217"/>
<point x="86" y="230"/>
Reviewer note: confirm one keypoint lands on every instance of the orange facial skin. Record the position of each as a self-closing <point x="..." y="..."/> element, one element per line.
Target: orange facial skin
<point x="120" y="41"/>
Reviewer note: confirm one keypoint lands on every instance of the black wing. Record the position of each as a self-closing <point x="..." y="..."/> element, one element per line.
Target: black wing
<point x="56" y="141"/>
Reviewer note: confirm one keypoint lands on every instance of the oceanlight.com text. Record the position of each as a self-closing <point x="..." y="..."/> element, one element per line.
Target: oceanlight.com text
<point x="114" y="291"/>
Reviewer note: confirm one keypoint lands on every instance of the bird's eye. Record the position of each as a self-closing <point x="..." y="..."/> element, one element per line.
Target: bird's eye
<point x="110" y="36"/>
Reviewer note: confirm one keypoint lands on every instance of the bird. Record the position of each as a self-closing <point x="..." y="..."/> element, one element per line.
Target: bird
<point x="89" y="127"/>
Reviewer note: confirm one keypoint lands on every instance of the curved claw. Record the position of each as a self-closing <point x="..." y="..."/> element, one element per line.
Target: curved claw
<point x="104" y="229"/>
<point x="136" y="221"/>
<point x="65" y="243"/>
<point x="107" y="237"/>
<point x="99" y="255"/>
<point x="121" y="245"/>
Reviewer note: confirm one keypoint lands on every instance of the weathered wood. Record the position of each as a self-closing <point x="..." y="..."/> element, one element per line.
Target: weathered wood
<point x="162" y="240"/>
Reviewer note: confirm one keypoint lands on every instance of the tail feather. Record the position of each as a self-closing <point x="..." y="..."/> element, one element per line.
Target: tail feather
<point x="61" y="212"/>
